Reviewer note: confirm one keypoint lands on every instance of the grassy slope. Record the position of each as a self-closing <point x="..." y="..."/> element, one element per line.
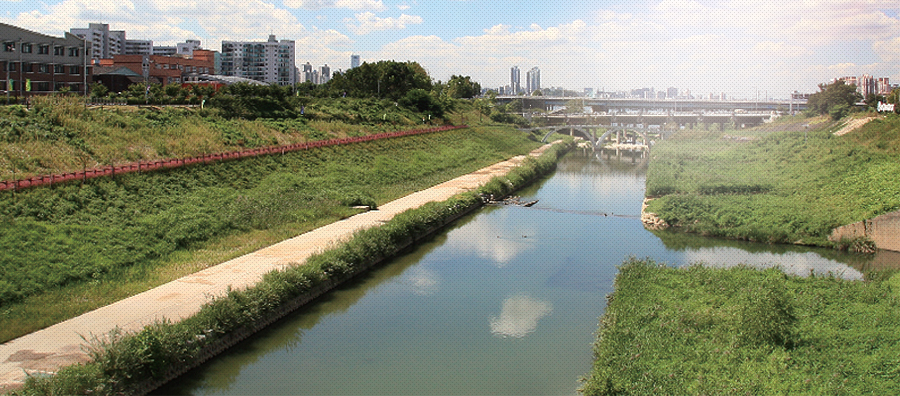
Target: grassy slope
<point x="60" y="135"/>
<point x="779" y="187"/>
<point x="112" y="238"/>
<point x="743" y="331"/>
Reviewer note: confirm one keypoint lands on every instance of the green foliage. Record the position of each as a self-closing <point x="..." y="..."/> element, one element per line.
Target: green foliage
<point x="767" y="315"/>
<point x="99" y="90"/>
<point x="74" y="233"/>
<point x="835" y="99"/>
<point x="423" y="102"/>
<point x="699" y="330"/>
<point x="463" y="87"/>
<point x="782" y="187"/>
<point x="384" y="79"/>
<point x="247" y="101"/>
<point x="124" y="361"/>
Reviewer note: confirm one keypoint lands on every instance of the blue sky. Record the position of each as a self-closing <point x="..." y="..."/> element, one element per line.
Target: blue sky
<point x="733" y="46"/>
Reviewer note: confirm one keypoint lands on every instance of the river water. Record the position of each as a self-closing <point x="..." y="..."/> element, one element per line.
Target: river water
<point x="506" y="301"/>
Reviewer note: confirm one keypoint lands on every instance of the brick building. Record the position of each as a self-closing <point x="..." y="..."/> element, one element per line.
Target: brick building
<point x="166" y="69"/>
<point x="35" y="63"/>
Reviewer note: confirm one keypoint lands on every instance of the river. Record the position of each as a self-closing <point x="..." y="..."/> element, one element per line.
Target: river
<point x="506" y="301"/>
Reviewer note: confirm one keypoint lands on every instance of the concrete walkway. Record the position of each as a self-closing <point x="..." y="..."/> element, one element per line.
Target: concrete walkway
<point x="49" y="349"/>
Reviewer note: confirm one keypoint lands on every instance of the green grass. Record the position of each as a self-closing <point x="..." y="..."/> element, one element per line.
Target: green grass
<point x="705" y="331"/>
<point x="59" y="134"/>
<point x="121" y="363"/>
<point x="783" y="186"/>
<point x="70" y="248"/>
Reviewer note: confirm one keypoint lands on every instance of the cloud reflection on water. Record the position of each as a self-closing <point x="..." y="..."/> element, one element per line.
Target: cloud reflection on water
<point x="519" y="316"/>
<point x="420" y="281"/>
<point x="790" y="262"/>
<point x="500" y="241"/>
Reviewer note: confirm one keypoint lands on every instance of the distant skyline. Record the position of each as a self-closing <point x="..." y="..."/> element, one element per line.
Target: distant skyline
<point x="736" y="47"/>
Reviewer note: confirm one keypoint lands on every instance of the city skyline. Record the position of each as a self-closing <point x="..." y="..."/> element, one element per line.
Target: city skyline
<point x="700" y="45"/>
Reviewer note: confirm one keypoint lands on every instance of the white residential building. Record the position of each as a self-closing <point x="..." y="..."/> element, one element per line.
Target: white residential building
<point x="187" y="48"/>
<point x="271" y="62"/>
<point x="103" y="43"/>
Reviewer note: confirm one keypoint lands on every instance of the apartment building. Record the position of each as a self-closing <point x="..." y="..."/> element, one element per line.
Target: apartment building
<point x="270" y="62"/>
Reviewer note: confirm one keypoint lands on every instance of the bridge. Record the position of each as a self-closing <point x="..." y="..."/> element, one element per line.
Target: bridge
<point x="617" y="135"/>
<point x="601" y="105"/>
<point x="677" y="119"/>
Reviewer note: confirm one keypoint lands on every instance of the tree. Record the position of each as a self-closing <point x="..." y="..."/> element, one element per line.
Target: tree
<point x="421" y="100"/>
<point x="99" y="90"/>
<point x="835" y="99"/>
<point x="484" y="107"/>
<point x="537" y="92"/>
<point x="894" y="98"/>
<point x="873" y="99"/>
<point x="462" y="87"/>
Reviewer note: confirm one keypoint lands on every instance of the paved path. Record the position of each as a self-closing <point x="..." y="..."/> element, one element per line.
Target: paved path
<point x="60" y="345"/>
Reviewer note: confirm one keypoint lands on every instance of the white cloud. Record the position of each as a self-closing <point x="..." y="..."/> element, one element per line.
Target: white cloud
<point x="374" y="5"/>
<point x="888" y="50"/>
<point x="367" y="23"/>
<point x="403" y="7"/>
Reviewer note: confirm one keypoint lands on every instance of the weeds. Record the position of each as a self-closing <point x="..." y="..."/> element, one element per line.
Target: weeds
<point x="781" y="187"/>
<point x="701" y="330"/>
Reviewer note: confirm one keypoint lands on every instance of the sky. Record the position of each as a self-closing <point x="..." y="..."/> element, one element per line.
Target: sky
<point x="739" y="47"/>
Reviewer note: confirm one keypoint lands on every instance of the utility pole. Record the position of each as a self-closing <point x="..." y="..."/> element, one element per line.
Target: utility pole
<point x="84" y="70"/>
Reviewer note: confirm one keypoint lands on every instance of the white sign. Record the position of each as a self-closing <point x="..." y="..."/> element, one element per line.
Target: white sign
<point x="885" y="107"/>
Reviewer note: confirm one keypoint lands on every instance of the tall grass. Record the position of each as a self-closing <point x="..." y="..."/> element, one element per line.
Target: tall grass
<point x="789" y="186"/>
<point x="59" y="134"/>
<point x="700" y="330"/>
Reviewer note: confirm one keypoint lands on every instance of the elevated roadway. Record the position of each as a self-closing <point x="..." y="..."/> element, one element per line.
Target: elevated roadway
<point x="660" y="105"/>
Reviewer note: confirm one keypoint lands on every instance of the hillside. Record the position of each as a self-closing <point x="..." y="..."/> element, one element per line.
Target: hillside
<point x="60" y="134"/>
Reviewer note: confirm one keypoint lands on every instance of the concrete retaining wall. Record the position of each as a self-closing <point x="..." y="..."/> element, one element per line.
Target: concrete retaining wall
<point x="884" y="230"/>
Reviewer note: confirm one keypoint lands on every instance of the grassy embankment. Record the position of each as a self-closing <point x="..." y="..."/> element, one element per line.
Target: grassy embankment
<point x="128" y="361"/>
<point x="59" y="134"/>
<point x="71" y="248"/>
<point x="697" y="330"/>
<point x="783" y="185"/>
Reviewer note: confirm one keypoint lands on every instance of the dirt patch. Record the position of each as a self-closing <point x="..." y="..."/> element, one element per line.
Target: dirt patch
<point x="853" y="124"/>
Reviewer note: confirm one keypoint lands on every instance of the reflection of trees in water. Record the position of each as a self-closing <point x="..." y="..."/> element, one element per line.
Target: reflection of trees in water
<point x="586" y="161"/>
<point x="222" y="371"/>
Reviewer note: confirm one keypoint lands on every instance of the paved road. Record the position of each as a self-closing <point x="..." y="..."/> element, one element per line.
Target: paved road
<point x="49" y="349"/>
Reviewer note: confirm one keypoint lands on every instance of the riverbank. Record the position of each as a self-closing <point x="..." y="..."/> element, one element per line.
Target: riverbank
<point x="215" y="321"/>
<point x="701" y="330"/>
<point x="113" y="237"/>
<point x="777" y="186"/>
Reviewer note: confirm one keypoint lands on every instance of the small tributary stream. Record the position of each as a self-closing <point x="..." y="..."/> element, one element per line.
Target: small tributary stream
<point x="506" y="301"/>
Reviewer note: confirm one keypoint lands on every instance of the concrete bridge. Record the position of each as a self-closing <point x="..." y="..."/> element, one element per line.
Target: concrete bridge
<point x="687" y="120"/>
<point x="660" y="105"/>
<point x="617" y="135"/>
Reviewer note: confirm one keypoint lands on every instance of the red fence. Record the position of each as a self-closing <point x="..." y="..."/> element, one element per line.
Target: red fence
<point x="46" y="180"/>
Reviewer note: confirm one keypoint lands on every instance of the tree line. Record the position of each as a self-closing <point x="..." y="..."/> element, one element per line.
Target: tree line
<point x="405" y="83"/>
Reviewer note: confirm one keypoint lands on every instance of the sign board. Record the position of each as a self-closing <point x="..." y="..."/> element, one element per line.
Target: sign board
<point x="885" y="107"/>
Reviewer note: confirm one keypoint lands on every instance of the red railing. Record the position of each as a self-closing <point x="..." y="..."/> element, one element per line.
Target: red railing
<point x="46" y="180"/>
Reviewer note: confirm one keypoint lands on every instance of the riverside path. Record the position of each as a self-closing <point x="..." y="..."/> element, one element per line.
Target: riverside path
<point x="46" y="350"/>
